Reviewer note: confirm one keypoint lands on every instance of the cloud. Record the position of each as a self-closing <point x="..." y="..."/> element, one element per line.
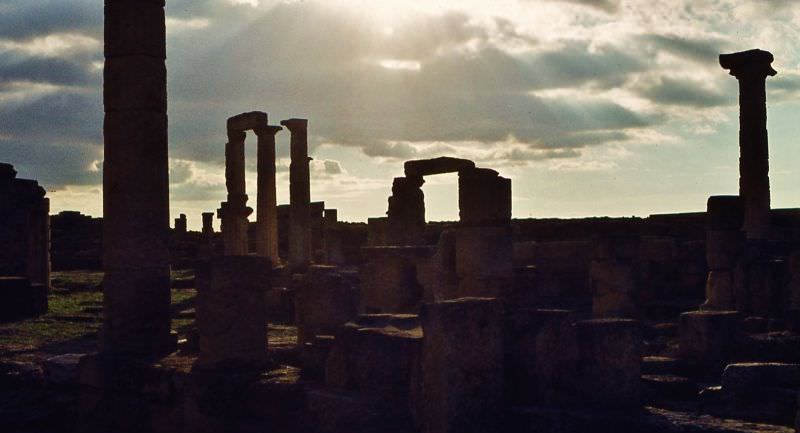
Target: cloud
<point x="701" y="50"/>
<point x="609" y="6"/>
<point x="668" y="91"/>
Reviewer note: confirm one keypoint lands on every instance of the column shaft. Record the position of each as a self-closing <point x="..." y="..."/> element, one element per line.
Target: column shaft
<point x="136" y="295"/>
<point x="299" y="195"/>
<point x="267" y="202"/>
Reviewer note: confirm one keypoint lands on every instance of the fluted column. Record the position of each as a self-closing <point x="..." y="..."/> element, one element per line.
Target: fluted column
<point x="751" y="68"/>
<point x="266" y="201"/>
<point x="136" y="295"/>
<point x="299" y="196"/>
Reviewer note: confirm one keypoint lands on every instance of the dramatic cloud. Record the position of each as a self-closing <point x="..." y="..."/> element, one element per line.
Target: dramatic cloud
<point x="527" y="87"/>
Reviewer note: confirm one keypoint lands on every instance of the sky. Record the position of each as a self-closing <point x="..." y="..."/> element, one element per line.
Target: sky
<point x="591" y="107"/>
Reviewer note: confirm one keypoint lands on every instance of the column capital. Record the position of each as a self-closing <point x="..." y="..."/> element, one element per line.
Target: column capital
<point x="748" y="64"/>
<point x="267" y="130"/>
<point x="295" y="124"/>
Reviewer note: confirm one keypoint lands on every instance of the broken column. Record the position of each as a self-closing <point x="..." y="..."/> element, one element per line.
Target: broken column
<point x="751" y="68"/>
<point x="709" y="339"/>
<point x="208" y="223"/>
<point x="406" y="214"/>
<point x="724" y="249"/>
<point x="484" y="246"/>
<point x="266" y="201"/>
<point x="180" y="224"/>
<point x="462" y="366"/>
<point x="299" y="196"/>
<point x="136" y="301"/>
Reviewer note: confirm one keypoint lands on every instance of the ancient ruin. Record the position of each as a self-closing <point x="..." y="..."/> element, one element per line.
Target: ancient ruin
<point x="303" y="321"/>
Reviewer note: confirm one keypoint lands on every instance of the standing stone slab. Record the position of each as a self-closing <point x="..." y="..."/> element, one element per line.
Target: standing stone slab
<point x="231" y="314"/>
<point x="484" y="262"/>
<point x="462" y="366"/>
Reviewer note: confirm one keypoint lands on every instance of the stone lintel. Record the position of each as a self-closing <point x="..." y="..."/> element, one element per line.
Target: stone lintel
<point x="748" y="63"/>
<point x="444" y="164"/>
<point x="295" y="124"/>
<point x="267" y="130"/>
<point x="247" y="121"/>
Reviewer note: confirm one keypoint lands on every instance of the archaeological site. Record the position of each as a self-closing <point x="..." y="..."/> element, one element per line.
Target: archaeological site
<point x="287" y="318"/>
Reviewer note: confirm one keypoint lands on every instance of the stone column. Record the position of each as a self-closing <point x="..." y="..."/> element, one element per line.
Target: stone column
<point x="299" y="196"/>
<point x="234" y="211"/>
<point x="724" y="251"/>
<point x="751" y="68"/>
<point x="266" y="201"/>
<point x="406" y="212"/>
<point x="136" y="301"/>
<point x="208" y="223"/>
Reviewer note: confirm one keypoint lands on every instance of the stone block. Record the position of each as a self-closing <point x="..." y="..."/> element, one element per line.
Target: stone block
<point x="484" y="197"/>
<point x="231" y="315"/>
<point x="323" y="302"/>
<point x="379" y="357"/>
<point x="444" y="164"/>
<point x="135" y="28"/>
<point x="658" y="248"/>
<point x="63" y="369"/>
<point x="741" y="378"/>
<point x="723" y="248"/>
<point x="708" y="338"/>
<point x="614" y="288"/>
<point x="462" y="366"/>
<point x="248" y="121"/>
<point x="484" y="263"/>
<point x="609" y="360"/>
<point x="522" y="329"/>
<point x="615" y="247"/>
<point x="389" y="278"/>
<point x="135" y="83"/>
<point x="437" y="274"/>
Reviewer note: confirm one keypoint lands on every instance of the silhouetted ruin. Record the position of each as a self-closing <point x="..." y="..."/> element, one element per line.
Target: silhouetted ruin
<point x="303" y="322"/>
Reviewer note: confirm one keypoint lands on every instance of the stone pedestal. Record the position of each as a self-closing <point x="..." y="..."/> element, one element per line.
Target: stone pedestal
<point x="751" y="68"/>
<point x="725" y="246"/>
<point x="233" y="214"/>
<point x="708" y="339"/>
<point x="462" y="366"/>
<point x="377" y="232"/>
<point x="299" y="196"/>
<point x="231" y="319"/>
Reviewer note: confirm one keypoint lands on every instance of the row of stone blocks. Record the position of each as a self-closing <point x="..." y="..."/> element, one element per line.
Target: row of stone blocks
<point x="458" y="365"/>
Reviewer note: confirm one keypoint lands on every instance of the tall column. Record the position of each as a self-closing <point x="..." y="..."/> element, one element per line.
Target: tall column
<point x="136" y="296"/>
<point x="234" y="211"/>
<point x="266" y="201"/>
<point x="299" y="196"/>
<point x="751" y="68"/>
